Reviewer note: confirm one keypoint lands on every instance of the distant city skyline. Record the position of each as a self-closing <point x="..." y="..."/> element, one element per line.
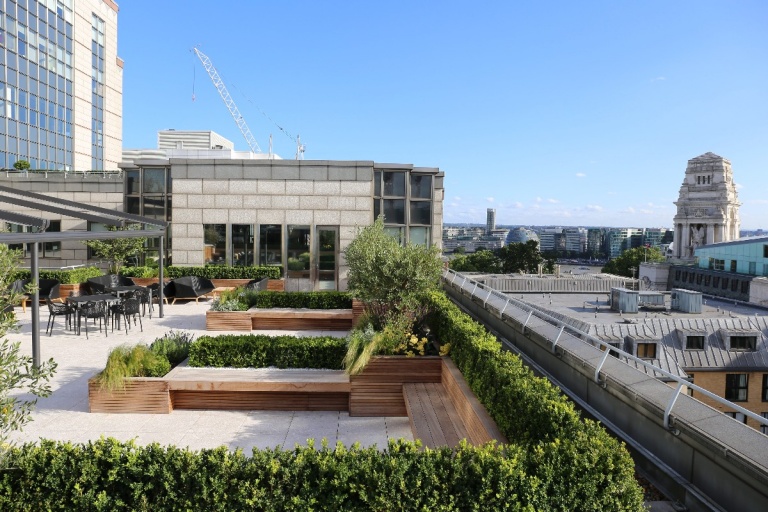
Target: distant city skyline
<point x="577" y="113"/>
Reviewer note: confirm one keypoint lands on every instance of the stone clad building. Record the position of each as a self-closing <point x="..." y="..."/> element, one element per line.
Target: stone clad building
<point x="707" y="207"/>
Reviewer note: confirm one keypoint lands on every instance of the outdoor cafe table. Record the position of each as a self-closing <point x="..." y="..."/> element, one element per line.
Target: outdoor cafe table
<point x="120" y="290"/>
<point x="99" y="297"/>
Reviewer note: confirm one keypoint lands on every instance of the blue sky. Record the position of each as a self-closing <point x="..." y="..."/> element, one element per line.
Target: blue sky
<point x="552" y="112"/>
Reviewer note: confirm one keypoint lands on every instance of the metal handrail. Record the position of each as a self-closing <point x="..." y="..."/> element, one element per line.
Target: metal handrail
<point x="581" y="335"/>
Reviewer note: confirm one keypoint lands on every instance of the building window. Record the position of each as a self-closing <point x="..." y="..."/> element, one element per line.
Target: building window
<point x="753" y="267"/>
<point x="734" y="285"/>
<point x="677" y="275"/>
<point x="699" y="277"/>
<point x="694" y="342"/>
<point x="298" y="251"/>
<point x="725" y="283"/>
<point x="52" y="248"/>
<point x="765" y="251"/>
<point x="718" y="264"/>
<point x="764" y="428"/>
<point x="419" y="235"/>
<point x="738" y="416"/>
<point x="745" y="287"/>
<point x="270" y="244"/>
<point x="646" y="350"/>
<point x="733" y="265"/>
<point x="736" y="387"/>
<point x="707" y="278"/>
<point x="715" y="282"/>
<point x="765" y="387"/>
<point x="215" y="244"/>
<point x="745" y="343"/>
<point x="691" y="380"/>
<point x="242" y="245"/>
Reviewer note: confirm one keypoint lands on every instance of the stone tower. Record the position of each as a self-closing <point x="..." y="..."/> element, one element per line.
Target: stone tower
<point x="707" y="207"/>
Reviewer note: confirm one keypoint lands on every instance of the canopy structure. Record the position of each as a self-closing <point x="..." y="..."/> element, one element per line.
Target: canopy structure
<point x="148" y="228"/>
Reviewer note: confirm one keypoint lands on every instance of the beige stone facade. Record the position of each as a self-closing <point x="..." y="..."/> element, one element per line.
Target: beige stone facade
<point x="707" y="207"/>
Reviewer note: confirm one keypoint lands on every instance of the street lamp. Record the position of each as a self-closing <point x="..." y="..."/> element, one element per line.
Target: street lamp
<point x="632" y="269"/>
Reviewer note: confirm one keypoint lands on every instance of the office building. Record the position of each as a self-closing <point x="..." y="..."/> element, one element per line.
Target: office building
<point x="60" y="85"/>
<point x="490" y="220"/>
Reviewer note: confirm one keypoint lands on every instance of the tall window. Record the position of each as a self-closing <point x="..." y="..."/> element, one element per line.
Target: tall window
<point x="242" y="244"/>
<point x="646" y="350"/>
<point x="52" y="248"/>
<point x="270" y="244"/>
<point x="405" y="201"/>
<point x="215" y="244"/>
<point x="694" y="343"/>
<point x="298" y="251"/>
<point x="148" y="193"/>
<point x="764" y="394"/>
<point x="736" y="387"/>
<point x="97" y="93"/>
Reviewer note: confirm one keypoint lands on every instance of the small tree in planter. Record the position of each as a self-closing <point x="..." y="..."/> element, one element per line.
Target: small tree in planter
<point x="391" y="280"/>
<point x="117" y="250"/>
<point x="21" y="165"/>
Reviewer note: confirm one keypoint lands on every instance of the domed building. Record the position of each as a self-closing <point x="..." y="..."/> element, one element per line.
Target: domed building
<point x="521" y="235"/>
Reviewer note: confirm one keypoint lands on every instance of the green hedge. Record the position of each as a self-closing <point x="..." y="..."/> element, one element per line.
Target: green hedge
<point x="309" y="300"/>
<point x="109" y="475"/>
<point x="73" y="276"/>
<point x="209" y="272"/>
<point x="580" y="465"/>
<point x="260" y="351"/>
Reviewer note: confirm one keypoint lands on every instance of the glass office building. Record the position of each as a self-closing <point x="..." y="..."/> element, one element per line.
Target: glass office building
<point x="60" y="84"/>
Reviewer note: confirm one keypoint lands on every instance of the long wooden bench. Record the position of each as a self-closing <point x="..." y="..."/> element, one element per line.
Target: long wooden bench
<point x="445" y="413"/>
<point x="280" y="319"/>
<point x="262" y="389"/>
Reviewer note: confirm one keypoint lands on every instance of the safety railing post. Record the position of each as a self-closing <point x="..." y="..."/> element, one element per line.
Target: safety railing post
<point x="554" y="343"/>
<point x="600" y="366"/>
<point x="671" y="404"/>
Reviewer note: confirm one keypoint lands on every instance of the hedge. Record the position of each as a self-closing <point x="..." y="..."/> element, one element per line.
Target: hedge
<point x="260" y="351"/>
<point x="73" y="276"/>
<point x="209" y="272"/>
<point x="109" y="475"/>
<point x="580" y="465"/>
<point x="309" y="300"/>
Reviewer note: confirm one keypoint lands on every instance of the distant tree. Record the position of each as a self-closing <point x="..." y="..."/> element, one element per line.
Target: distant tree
<point x="117" y="250"/>
<point x="479" y="261"/>
<point x="622" y="264"/>
<point x="460" y="250"/>
<point x="21" y="165"/>
<point x="522" y="257"/>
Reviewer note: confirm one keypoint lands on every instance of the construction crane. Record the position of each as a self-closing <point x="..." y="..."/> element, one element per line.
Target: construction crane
<point x="228" y="101"/>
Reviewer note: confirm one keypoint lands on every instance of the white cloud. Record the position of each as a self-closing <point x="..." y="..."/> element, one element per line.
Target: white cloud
<point x="658" y="79"/>
<point x="518" y="205"/>
<point x="629" y="210"/>
<point x="581" y="175"/>
<point x="553" y="201"/>
<point x="646" y="212"/>
<point x="538" y="199"/>
<point x="594" y="207"/>
<point x="490" y="199"/>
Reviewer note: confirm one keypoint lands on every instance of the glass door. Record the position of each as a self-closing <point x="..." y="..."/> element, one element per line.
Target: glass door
<point x="327" y="258"/>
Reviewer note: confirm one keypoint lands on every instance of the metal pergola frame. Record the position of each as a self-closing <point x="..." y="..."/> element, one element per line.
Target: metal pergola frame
<point x="151" y="228"/>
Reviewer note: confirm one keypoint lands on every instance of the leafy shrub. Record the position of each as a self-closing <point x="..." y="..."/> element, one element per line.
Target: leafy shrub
<point x="126" y="361"/>
<point x="260" y="351"/>
<point x="309" y="300"/>
<point x="221" y="304"/>
<point x="73" y="276"/>
<point x="225" y="272"/>
<point x="174" y="346"/>
<point x="141" y="272"/>
<point x="579" y="463"/>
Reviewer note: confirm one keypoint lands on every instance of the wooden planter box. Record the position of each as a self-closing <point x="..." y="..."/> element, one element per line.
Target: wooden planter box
<point x="378" y="390"/>
<point x="141" y="395"/>
<point x="65" y="289"/>
<point x="228" y="321"/>
<point x="281" y="319"/>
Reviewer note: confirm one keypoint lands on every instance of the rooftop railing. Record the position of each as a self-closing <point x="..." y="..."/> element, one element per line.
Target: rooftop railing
<point x="503" y="303"/>
<point x="46" y="173"/>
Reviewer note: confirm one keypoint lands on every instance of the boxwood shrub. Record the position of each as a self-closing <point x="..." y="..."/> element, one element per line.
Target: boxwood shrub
<point x="579" y="463"/>
<point x="69" y="276"/>
<point x="109" y="475"/>
<point x="310" y="300"/>
<point x="260" y="351"/>
<point x="209" y="272"/>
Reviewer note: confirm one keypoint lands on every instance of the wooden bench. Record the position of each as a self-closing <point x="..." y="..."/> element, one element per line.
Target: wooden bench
<point x="258" y="389"/>
<point x="442" y="414"/>
<point x="298" y="319"/>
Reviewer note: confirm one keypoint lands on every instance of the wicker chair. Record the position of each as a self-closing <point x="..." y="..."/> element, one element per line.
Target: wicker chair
<point x="127" y="309"/>
<point x="92" y="311"/>
<point x="55" y="310"/>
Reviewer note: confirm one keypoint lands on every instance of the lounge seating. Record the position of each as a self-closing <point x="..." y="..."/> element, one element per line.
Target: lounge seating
<point x="49" y="289"/>
<point x="101" y="283"/>
<point x="190" y="287"/>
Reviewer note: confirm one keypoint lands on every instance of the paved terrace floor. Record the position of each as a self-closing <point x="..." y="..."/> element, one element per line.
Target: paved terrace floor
<point x="64" y="415"/>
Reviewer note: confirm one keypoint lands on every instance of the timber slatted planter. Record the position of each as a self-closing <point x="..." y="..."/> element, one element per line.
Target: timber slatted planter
<point x="378" y="390"/>
<point x="291" y="319"/>
<point x="141" y="395"/>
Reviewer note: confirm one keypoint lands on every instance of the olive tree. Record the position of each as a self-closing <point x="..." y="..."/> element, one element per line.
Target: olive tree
<point x="20" y="379"/>
<point x="387" y="276"/>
